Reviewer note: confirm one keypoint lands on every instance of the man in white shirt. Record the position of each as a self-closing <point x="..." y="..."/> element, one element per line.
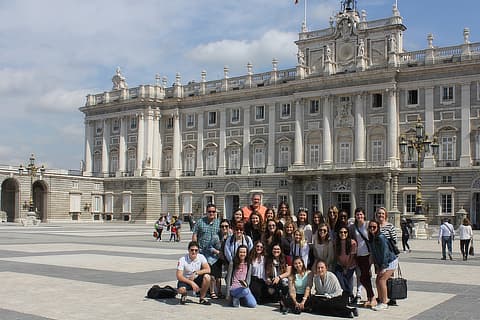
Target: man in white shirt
<point x="446" y="235"/>
<point x="193" y="273"/>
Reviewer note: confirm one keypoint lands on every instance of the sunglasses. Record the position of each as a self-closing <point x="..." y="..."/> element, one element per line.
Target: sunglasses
<point x="323" y="230"/>
<point x="342" y="232"/>
<point x="211" y="211"/>
<point x="193" y="250"/>
<point x="261" y="247"/>
<point x="271" y="225"/>
<point x="372" y="227"/>
<point x="225" y="226"/>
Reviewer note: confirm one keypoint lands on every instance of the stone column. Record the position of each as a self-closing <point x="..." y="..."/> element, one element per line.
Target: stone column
<point x="327" y="131"/>
<point x="271" y="139"/>
<point x="89" y="142"/>
<point x="105" y="147"/>
<point x="160" y="144"/>
<point x="395" y="193"/>
<point x="122" y="148"/>
<point x="320" y="194"/>
<point x="429" y="161"/>
<point x="246" y="141"/>
<point x="354" y="196"/>
<point x="149" y="143"/>
<point x="199" y="170"/>
<point x="465" y="156"/>
<point x="298" y="147"/>
<point x="392" y="129"/>
<point x="177" y="146"/>
<point x="388" y="191"/>
<point x="360" y="134"/>
<point x="140" y="144"/>
<point x="156" y="152"/>
<point x="223" y="143"/>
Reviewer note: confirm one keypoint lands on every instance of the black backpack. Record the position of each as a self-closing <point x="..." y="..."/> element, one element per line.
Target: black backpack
<point x="157" y="292"/>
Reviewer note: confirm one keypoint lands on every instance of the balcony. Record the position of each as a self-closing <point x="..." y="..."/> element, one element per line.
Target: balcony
<point x="281" y="169"/>
<point x="188" y="173"/>
<point x="257" y="170"/>
<point x="447" y="163"/>
<point x="210" y="172"/>
<point x="232" y="171"/>
<point x="410" y="164"/>
<point x="164" y="173"/>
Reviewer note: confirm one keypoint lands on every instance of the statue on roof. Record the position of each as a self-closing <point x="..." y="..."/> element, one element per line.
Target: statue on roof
<point x="348" y="5"/>
<point x="118" y="80"/>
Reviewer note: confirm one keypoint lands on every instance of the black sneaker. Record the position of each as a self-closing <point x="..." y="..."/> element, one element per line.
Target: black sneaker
<point x="392" y="302"/>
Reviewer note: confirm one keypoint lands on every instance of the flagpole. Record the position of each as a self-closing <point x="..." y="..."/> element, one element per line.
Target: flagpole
<point x="305" y="14"/>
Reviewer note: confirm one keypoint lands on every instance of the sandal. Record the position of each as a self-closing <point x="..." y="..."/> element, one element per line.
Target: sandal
<point x="213" y="296"/>
<point x="205" y="302"/>
<point x="220" y="295"/>
<point x="183" y="299"/>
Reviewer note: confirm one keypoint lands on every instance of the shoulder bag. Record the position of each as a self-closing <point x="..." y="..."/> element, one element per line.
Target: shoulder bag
<point x="397" y="286"/>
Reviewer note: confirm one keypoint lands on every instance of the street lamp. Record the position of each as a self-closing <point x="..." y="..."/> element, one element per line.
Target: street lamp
<point x="31" y="170"/>
<point x="422" y="145"/>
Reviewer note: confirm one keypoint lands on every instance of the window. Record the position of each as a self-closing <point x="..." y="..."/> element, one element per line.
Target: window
<point x="235" y="116"/>
<point x="190" y="160"/>
<point x="446" y="179"/>
<point x="412" y="97"/>
<point x="377" y="150"/>
<point x="115" y="125"/>
<point x="378" y="201"/>
<point x="282" y="198"/>
<point x="209" y="185"/>
<point x="126" y="203"/>
<point x="314" y="154"/>
<point x="75" y="185"/>
<point x="446" y="203"/>
<point x="211" y="161"/>
<point x="169" y="123"/>
<point x="447" y="148"/>
<point x="283" y="183"/>
<point x="234" y="158"/>
<point x="284" y="156"/>
<point x="75" y="199"/>
<point x="257" y="183"/>
<point x="285" y="111"/>
<point x="411" y="180"/>
<point x="344" y="154"/>
<point x="258" y="156"/>
<point x="133" y="123"/>
<point x="314" y="106"/>
<point x="109" y="203"/>
<point x="114" y="161"/>
<point x="187" y="203"/>
<point x="132" y="160"/>
<point x="97" y="205"/>
<point x="212" y="118"/>
<point x="259" y="112"/>
<point x="190" y="120"/>
<point x="447" y="95"/>
<point x="376" y="100"/>
<point x="168" y="160"/>
<point x="410" y="202"/>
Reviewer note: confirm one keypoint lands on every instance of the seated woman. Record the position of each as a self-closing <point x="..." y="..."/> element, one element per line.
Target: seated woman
<point x="299" y="291"/>
<point x="238" y="279"/>
<point x="257" y="283"/>
<point x="277" y="271"/>
<point x="327" y="296"/>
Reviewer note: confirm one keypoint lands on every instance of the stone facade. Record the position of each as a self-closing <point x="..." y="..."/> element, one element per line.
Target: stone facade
<point x="325" y="132"/>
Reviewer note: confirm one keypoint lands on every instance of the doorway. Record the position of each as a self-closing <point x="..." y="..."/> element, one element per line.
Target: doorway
<point x="10" y="199"/>
<point x="232" y="202"/>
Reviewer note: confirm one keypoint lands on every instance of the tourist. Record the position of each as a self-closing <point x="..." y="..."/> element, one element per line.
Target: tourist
<point x="238" y="279"/>
<point x="257" y="283"/>
<point x="406" y="232"/>
<point x="277" y="271"/>
<point x="288" y="239"/>
<point x="254" y="228"/>
<point x="332" y="217"/>
<point x="159" y="226"/>
<point x="273" y="235"/>
<point x="316" y="220"/>
<point x="322" y="246"/>
<point x="446" y="235"/>
<point x="193" y="274"/>
<point x="237" y="239"/>
<point x="254" y="206"/>
<point x="345" y="253"/>
<point x="237" y="216"/>
<point x="302" y="224"/>
<point x="299" y="246"/>
<point x="466" y="235"/>
<point x="284" y="213"/>
<point x="206" y="228"/>
<point x="298" y="289"/>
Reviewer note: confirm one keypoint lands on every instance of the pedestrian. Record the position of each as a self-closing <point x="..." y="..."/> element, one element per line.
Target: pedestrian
<point x="191" y="221"/>
<point x="178" y="226"/>
<point x="173" y="232"/>
<point x="446" y="235"/>
<point x="346" y="263"/>
<point x="406" y="232"/>
<point x="159" y="225"/>
<point x="466" y="235"/>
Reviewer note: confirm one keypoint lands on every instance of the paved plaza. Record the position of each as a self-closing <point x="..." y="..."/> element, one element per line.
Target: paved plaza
<point x="103" y="271"/>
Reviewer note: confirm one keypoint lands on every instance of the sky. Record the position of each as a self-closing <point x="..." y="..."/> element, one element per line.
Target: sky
<point x="55" y="52"/>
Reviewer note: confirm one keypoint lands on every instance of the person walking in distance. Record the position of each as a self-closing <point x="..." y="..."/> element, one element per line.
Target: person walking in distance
<point x="446" y="236"/>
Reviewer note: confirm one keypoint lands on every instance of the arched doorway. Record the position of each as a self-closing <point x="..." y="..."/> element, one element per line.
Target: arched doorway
<point x="10" y="199"/>
<point x="40" y="199"/>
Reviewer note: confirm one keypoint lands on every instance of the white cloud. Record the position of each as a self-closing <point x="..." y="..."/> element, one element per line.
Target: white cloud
<point x="59" y="100"/>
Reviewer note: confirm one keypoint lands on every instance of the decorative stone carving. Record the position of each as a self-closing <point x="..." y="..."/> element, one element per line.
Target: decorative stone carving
<point x="375" y="185"/>
<point x="342" y="186"/>
<point x="118" y="80"/>
<point x="344" y="118"/>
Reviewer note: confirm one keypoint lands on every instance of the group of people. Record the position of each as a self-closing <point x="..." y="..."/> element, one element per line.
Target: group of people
<point x="279" y="257"/>
<point x="173" y="224"/>
<point x="446" y="237"/>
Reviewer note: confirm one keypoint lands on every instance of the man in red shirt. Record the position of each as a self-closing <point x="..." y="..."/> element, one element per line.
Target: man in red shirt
<point x="255" y="206"/>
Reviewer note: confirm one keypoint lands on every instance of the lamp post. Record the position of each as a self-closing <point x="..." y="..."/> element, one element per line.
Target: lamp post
<point x="31" y="170"/>
<point x="421" y="144"/>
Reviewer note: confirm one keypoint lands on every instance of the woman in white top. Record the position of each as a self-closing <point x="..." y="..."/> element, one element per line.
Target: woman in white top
<point x="466" y="234"/>
<point x="322" y="246"/>
<point x="302" y="224"/>
<point x="299" y="247"/>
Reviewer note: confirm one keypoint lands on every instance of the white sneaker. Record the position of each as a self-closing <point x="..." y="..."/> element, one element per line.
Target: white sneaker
<point x="380" y="307"/>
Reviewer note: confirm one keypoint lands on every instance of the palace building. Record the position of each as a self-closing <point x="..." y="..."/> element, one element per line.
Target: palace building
<point x="326" y="132"/>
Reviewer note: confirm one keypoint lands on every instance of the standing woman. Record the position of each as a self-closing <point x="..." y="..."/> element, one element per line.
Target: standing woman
<point x="345" y="252"/>
<point x="284" y="214"/>
<point x="237" y="239"/>
<point x="299" y="246"/>
<point x="322" y="246"/>
<point x="236" y="217"/>
<point x="360" y="234"/>
<point x="385" y="262"/>
<point x="257" y="283"/>
<point x="298" y="289"/>
<point x="302" y="224"/>
<point x="288" y="239"/>
<point x="405" y="235"/>
<point x="273" y="236"/>
<point x="254" y="228"/>
<point x="332" y="218"/>
<point x="238" y="279"/>
<point x="271" y="215"/>
<point x="277" y="271"/>
<point x="317" y="219"/>
<point x="466" y="234"/>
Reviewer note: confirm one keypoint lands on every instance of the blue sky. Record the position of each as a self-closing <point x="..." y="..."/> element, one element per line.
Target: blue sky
<point x="55" y="52"/>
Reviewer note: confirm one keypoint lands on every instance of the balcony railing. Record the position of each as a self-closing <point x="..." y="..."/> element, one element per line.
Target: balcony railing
<point x="210" y="172"/>
<point x="281" y="169"/>
<point x="232" y="171"/>
<point x="447" y="163"/>
<point x="188" y="173"/>
<point x="258" y="170"/>
<point x="410" y="164"/>
<point x="164" y="173"/>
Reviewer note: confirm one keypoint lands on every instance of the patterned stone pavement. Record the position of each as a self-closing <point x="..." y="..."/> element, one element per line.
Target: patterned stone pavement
<point x="102" y="271"/>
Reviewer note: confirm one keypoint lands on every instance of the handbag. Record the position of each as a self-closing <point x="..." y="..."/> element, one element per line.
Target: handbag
<point x="471" y="251"/>
<point x="397" y="286"/>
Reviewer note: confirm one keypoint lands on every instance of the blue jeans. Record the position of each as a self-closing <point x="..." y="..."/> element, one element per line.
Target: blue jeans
<point x="446" y="242"/>
<point x="345" y="278"/>
<point x="245" y="296"/>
